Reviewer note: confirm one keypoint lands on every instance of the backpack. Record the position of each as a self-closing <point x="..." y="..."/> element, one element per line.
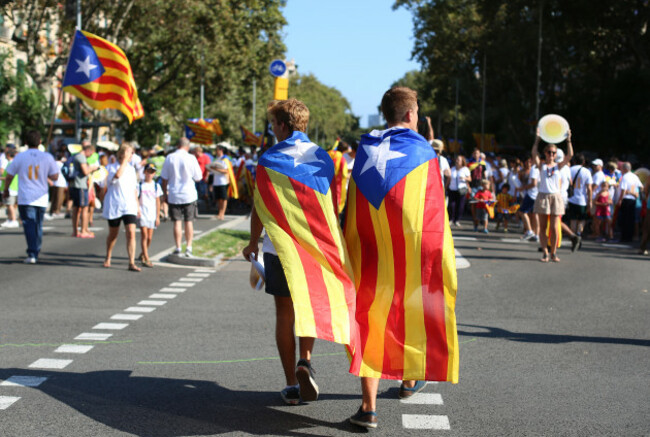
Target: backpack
<point x="68" y="169"/>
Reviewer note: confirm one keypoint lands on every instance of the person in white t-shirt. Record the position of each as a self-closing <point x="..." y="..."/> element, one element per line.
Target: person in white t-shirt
<point x="459" y="181"/>
<point x="121" y="204"/>
<point x="220" y="181"/>
<point x="580" y="202"/>
<point x="628" y="191"/>
<point x="528" y="177"/>
<point x="179" y="174"/>
<point x="33" y="168"/>
<point x="149" y="195"/>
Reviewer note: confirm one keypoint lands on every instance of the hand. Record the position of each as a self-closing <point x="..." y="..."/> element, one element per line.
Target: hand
<point x="252" y="248"/>
<point x="157" y="221"/>
<point x="568" y="136"/>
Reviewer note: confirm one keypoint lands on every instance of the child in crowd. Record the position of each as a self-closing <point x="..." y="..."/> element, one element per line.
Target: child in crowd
<point x="484" y="199"/>
<point x="604" y="212"/>
<point x="505" y="206"/>
<point x="150" y="194"/>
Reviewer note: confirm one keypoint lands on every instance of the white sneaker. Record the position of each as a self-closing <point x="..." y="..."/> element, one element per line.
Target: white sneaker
<point x="528" y="235"/>
<point x="188" y="253"/>
<point x="29" y="260"/>
<point x="47" y="217"/>
<point x="10" y="224"/>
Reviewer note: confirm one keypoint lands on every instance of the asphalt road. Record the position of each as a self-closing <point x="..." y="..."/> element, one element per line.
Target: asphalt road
<point x="546" y="349"/>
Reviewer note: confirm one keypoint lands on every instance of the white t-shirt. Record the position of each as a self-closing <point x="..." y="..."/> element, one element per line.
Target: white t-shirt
<point x="457" y="182"/>
<point x="121" y="195"/>
<point x="32" y="168"/>
<point x="267" y="245"/>
<point x="534" y="174"/>
<point x="514" y="182"/>
<point x="349" y="160"/>
<point x="565" y="174"/>
<point x="444" y="165"/>
<point x="550" y="179"/>
<point x="3" y="162"/>
<point x="597" y="179"/>
<point x="629" y="181"/>
<point x="581" y="176"/>
<point x="181" y="170"/>
<point x="503" y="171"/>
<point x="217" y="177"/>
<point x="149" y="192"/>
<point x="136" y="162"/>
<point x="60" y="182"/>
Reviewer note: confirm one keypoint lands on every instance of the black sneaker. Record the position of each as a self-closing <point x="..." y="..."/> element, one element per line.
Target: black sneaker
<point x="366" y="419"/>
<point x="290" y="395"/>
<point x="305" y="375"/>
<point x="576" y="242"/>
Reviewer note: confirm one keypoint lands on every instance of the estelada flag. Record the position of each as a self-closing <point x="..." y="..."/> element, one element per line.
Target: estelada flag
<point x="233" y="189"/>
<point x="293" y="198"/>
<point x="402" y="254"/>
<point x="340" y="178"/>
<point x="250" y="138"/>
<point x="201" y="131"/>
<point x="99" y="73"/>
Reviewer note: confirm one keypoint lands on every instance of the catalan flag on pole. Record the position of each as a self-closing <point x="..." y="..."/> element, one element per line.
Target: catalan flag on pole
<point x="99" y="73"/>
<point x="340" y="178"/>
<point x="201" y="131"/>
<point x="293" y="198"/>
<point x="402" y="254"/>
<point x="250" y="138"/>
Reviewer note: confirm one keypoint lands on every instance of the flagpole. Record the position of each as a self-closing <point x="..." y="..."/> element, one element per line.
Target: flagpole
<point x="77" y="126"/>
<point x="254" y="98"/>
<point x="202" y="81"/>
<point x="56" y="105"/>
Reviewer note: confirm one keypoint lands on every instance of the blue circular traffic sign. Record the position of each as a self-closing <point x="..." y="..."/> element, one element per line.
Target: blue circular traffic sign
<point x="277" y="68"/>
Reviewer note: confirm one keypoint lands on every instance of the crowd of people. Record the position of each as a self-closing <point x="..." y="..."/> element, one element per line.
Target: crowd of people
<point x="136" y="187"/>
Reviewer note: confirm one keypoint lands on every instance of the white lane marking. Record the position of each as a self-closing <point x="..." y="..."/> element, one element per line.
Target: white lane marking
<point x="25" y="381"/>
<point x="7" y="401"/>
<point x="111" y="326"/>
<point x="73" y="349"/>
<point x="172" y="290"/>
<point x="48" y="228"/>
<point x="461" y="261"/>
<point x="48" y="363"/>
<point x="162" y="296"/>
<point x="199" y="275"/>
<point x="617" y="246"/>
<point x="126" y="316"/>
<point x="204" y="271"/>
<point x="513" y="240"/>
<point x="198" y="232"/>
<point x="191" y="279"/>
<point x="466" y="238"/>
<point x="139" y="309"/>
<point x="152" y="302"/>
<point x="96" y="228"/>
<point x="93" y="336"/>
<point x="422" y="421"/>
<point x="424" y="399"/>
<point x="182" y="284"/>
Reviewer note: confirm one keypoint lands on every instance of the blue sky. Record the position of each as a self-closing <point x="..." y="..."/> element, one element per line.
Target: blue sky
<point x="359" y="47"/>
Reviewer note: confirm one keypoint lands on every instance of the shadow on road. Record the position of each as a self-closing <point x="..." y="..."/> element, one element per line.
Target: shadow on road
<point x="160" y="407"/>
<point x="492" y="332"/>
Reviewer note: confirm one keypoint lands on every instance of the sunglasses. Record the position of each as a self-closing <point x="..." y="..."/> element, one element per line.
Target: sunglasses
<point x="551" y="153"/>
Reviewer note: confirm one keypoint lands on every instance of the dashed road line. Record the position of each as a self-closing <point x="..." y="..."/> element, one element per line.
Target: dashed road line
<point x="191" y="279"/>
<point x="424" y="421"/>
<point x="461" y="261"/>
<point x="93" y="336"/>
<point x="7" y="401"/>
<point x="111" y="326"/>
<point x="162" y="296"/>
<point x="49" y="363"/>
<point x="424" y="399"/>
<point x="198" y="275"/>
<point x="172" y="290"/>
<point x="182" y="284"/>
<point x="126" y="316"/>
<point x="73" y="349"/>
<point x="140" y="309"/>
<point x="152" y="302"/>
<point x="24" y="381"/>
<point x="466" y="238"/>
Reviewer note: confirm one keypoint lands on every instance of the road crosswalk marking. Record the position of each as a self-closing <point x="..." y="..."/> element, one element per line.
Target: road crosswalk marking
<point x="162" y="296"/>
<point x="139" y="309"/>
<point x="73" y="348"/>
<point x="48" y="363"/>
<point x="7" y="401"/>
<point x="111" y="326"/>
<point x="152" y="302"/>
<point x="182" y="284"/>
<point x="126" y="316"/>
<point x="24" y="381"/>
<point x="172" y="290"/>
<point x="424" y="399"/>
<point x="425" y="421"/>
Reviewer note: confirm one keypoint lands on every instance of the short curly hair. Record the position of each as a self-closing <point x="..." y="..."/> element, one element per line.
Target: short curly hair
<point x="291" y="112"/>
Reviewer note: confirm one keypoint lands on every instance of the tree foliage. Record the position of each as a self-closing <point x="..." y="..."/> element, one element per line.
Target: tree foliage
<point x="594" y="71"/>
<point x="329" y="111"/>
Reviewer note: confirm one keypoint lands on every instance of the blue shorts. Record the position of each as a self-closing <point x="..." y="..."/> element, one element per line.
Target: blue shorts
<point x="527" y="205"/>
<point x="79" y="196"/>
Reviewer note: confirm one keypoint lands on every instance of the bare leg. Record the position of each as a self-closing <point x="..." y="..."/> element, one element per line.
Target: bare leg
<point x="113" y="232"/>
<point x="284" y="337"/>
<point x="130" y="246"/>
<point x="543" y="239"/>
<point x="222" y="204"/>
<point x="76" y="214"/>
<point x="189" y="233"/>
<point x="554" y="232"/>
<point x="369" y="388"/>
<point x="178" y="233"/>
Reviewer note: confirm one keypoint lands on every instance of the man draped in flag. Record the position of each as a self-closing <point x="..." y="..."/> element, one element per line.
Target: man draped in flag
<point x="99" y="73"/>
<point x="306" y="264"/>
<point x="402" y="255"/>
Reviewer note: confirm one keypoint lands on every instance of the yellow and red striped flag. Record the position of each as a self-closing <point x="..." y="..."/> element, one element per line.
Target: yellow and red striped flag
<point x="293" y="198"/>
<point x="233" y="188"/>
<point x="250" y="138"/>
<point x="99" y="73"/>
<point x="402" y="254"/>
<point x="199" y="131"/>
<point x="340" y="178"/>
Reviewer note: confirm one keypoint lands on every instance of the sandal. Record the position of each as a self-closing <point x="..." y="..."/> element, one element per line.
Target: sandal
<point x="147" y="263"/>
<point x="544" y="258"/>
<point x="134" y="268"/>
<point x="555" y="258"/>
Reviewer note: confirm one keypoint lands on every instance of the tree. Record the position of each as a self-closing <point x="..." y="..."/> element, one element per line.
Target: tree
<point x="329" y="112"/>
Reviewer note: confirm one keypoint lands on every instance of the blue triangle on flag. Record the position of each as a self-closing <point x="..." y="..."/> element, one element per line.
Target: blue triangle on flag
<point x="84" y="65"/>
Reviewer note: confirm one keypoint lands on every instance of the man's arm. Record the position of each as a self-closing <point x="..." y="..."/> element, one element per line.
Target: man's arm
<point x="256" y="233"/>
<point x="8" y="180"/>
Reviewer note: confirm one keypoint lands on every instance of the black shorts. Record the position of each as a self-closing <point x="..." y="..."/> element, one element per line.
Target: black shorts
<point x="128" y="219"/>
<point x="185" y="211"/>
<point x="79" y="196"/>
<point x="577" y="212"/>
<point x="220" y="192"/>
<point x="276" y="281"/>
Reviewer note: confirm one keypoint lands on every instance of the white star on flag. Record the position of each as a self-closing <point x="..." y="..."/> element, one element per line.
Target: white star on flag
<point x="378" y="156"/>
<point x="85" y="66"/>
<point x="302" y="153"/>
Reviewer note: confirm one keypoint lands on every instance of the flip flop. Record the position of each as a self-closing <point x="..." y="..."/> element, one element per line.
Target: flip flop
<point x="134" y="268"/>
<point x="555" y="258"/>
<point x="544" y="259"/>
<point x="147" y="263"/>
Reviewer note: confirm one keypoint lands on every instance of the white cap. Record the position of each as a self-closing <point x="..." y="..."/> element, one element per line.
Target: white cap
<point x="559" y="156"/>
<point x="597" y="162"/>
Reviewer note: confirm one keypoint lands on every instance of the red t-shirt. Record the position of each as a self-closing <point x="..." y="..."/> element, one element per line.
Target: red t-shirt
<point x="483" y="195"/>
<point x="203" y="161"/>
